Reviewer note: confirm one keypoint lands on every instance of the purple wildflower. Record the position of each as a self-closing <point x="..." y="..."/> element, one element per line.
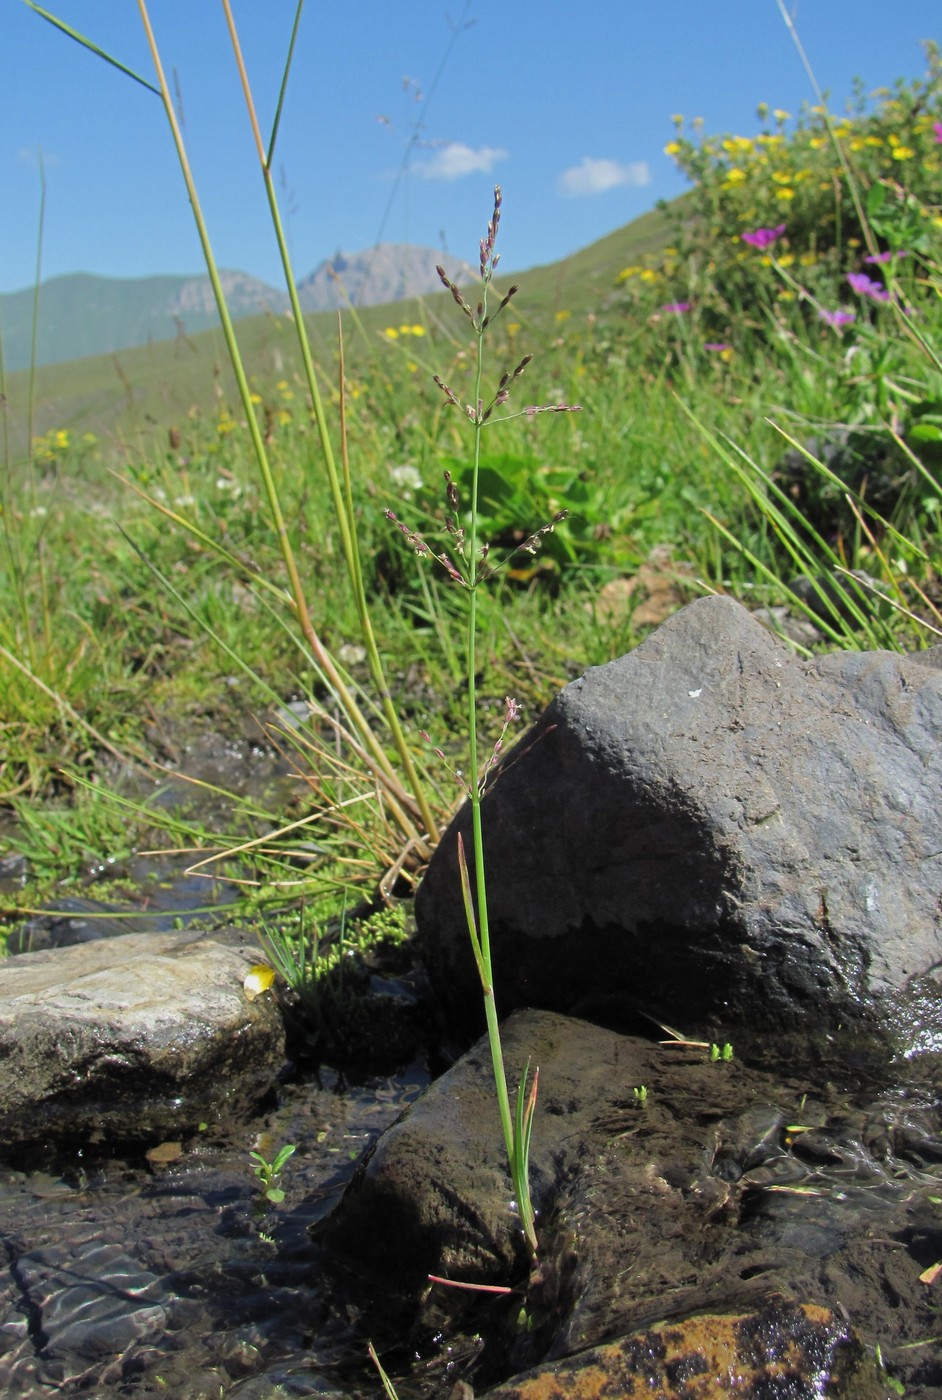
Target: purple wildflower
<point x="717" y="345"/>
<point x="865" y="286"/>
<point x="678" y="306"/>
<point x="837" y="318"/>
<point x="763" y="238"/>
<point x="937" y="131"/>
<point x="885" y="257"/>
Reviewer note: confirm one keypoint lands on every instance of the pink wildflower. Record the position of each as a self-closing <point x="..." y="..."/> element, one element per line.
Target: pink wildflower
<point x="865" y="286"/>
<point x="837" y="318"/>
<point x="763" y="238"/>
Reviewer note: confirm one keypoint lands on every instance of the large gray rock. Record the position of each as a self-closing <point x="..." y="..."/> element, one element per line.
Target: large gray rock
<point x="727" y="835"/>
<point x="132" y="1038"/>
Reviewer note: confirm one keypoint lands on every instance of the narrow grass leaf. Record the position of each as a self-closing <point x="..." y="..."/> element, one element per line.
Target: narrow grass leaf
<point x="388" y="1386"/>
<point x="91" y="46"/>
<point x="284" y="87"/>
<point x="470" y="914"/>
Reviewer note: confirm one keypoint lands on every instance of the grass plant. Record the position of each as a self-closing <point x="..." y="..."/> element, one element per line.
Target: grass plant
<point x="810" y="445"/>
<point x="405" y="797"/>
<point x="466" y="560"/>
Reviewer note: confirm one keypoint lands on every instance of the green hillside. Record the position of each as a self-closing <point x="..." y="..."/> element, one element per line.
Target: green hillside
<point x="88" y="315"/>
<point x="149" y="388"/>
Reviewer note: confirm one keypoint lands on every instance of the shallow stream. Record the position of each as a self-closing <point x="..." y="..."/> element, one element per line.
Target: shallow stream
<point x="162" y="1271"/>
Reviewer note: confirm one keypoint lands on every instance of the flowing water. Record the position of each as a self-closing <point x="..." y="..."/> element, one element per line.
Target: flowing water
<point x="164" y="1273"/>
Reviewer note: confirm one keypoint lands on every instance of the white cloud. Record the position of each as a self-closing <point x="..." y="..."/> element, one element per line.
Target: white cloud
<point x="453" y="160"/>
<point x="593" y="176"/>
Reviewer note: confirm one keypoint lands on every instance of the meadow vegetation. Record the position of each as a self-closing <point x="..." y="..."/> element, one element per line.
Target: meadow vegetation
<point x="758" y="367"/>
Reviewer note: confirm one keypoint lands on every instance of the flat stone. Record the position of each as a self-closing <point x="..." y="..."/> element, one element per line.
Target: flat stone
<point x="135" y="1037"/>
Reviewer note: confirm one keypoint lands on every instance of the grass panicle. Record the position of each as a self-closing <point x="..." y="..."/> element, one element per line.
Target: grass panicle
<point x="467" y="563"/>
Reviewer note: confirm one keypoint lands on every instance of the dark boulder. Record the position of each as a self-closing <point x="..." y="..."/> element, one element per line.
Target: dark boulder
<point x="722" y="834"/>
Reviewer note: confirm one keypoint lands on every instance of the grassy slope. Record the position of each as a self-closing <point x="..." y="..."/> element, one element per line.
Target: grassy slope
<point x="126" y="397"/>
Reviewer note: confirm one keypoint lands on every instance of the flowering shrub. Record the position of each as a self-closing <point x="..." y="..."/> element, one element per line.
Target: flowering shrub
<point x="802" y="189"/>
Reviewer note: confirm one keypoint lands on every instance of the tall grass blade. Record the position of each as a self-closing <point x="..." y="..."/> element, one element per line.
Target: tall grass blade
<point x="342" y="503"/>
<point x="282" y="91"/>
<point x="469" y="913"/>
<point x="91" y="46"/>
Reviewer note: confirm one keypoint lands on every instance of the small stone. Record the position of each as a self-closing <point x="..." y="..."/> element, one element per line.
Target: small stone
<point x="130" y="1038"/>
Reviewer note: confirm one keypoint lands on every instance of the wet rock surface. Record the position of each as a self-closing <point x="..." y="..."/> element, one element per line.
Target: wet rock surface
<point x="131" y="1037"/>
<point x="791" y="1351"/>
<point x="713" y="823"/>
<point x="720" y="1190"/>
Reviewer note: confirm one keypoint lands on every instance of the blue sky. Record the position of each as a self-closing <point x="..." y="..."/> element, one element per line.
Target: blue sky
<point x="401" y="116"/>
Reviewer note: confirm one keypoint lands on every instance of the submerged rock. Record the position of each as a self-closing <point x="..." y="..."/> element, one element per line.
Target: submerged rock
<point x="727" y="835"/>
<point x="141" y="1036"/>
<point x="667" y="1186"/>
<point x="784" y="1350"/>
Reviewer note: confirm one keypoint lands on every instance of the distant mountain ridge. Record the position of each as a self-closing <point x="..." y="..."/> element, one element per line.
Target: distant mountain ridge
<point x="81" y="314"/>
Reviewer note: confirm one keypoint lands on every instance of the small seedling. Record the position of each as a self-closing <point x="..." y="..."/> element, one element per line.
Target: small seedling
<point x="388" y="1386"/>
<point x="640" y="1095"/>
<point x="890" y="1381"/>
<point x="722" y="1053"/>
<point x="269" y="1173"/>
